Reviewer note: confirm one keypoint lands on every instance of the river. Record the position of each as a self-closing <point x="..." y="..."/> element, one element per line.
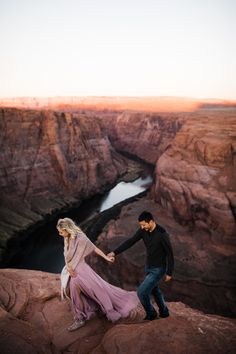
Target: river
<point x="43" y="248"/>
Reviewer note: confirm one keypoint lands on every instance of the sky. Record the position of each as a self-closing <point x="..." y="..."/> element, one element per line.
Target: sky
<point x="184" y="48"/>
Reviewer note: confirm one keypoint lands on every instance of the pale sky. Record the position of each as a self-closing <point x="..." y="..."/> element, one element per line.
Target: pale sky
<point x="118" y="48"/>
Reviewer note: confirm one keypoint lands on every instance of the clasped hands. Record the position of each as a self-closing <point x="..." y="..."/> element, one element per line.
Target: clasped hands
<point x="111" y="257"/>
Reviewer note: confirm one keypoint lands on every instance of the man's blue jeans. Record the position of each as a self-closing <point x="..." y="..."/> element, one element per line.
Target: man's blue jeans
<point x="150" y="286"/>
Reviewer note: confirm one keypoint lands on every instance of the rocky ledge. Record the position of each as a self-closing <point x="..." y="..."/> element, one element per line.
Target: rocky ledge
<point x="33" y="319"/>
<point x="204" y="276"/>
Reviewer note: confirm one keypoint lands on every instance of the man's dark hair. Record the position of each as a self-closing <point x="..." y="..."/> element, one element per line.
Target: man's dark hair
<point x="145" y="216"/>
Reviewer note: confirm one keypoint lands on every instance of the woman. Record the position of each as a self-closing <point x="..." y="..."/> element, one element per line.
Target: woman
<point x="88" y="291"/>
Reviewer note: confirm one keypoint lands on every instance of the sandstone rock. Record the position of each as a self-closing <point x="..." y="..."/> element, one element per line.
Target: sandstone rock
<point x="195" y="183"/>
<point x="197" y="173"/>
<point x="194" y="155"/>
<point x="195" y="162"/>
<point x="204" y="275"/>
<point x="49" y="161"/>
<point x="145" y="135"/>
<point x="48" y="153"/>
<point x="187" y="331"/>
<point x="33" y="319"/>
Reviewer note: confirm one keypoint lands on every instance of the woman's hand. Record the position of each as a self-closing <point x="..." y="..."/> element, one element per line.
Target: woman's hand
<point x="110" y="259"/>
<point x="71" y="271"/>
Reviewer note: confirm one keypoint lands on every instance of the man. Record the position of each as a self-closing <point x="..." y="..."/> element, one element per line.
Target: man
<point x="159" y="263"/>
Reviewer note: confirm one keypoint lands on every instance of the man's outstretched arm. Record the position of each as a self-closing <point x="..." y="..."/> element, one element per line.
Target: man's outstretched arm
<point x="127" y="244"/>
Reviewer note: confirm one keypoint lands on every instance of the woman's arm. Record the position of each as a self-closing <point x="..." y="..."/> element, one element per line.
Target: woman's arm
<point x="101" y="254"/>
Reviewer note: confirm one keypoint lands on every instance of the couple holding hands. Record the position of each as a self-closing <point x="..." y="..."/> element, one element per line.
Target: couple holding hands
<point x="90" y="293"/>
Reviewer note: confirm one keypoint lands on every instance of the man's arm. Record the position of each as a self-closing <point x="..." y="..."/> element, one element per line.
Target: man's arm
<point x="128" y="243"/>
<point x="165" y="240"/>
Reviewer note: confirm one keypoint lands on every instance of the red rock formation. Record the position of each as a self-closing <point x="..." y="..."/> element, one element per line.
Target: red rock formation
<point x="196" y="175"/>
<point x="194" y="154"/>
<point x="204" y="275"/>
<point x="47" y="153"/>
<point x="34" y="320"/>
<point x="195" y="183"/>
<point x="187" y="331"/>
<point x="49" y="160"/>
<point x="145" y="135"/>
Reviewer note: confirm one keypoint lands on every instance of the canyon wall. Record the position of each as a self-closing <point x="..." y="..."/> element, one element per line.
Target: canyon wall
<point x="195" y="159"/>
<point x="196" y="175"/>
<point x="49" y="160"/>
<point x="144" y="135"/>
<point x="195" y="185"/>
<point x="52" y="159"/>
<point x="47" y="157"/>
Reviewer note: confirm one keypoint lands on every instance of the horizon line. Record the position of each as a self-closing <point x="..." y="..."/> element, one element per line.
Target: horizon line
<point x="117" y="96"/>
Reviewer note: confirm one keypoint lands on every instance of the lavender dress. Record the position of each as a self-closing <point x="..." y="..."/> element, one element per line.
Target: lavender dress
<point x="89" y="292"/>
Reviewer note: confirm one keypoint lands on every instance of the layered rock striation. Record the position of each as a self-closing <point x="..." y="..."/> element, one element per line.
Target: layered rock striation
<point x="196" y="175"/>
<point x="50" y="160"/>
<point x="144" y="135"/>
<point x="195" y="159"/>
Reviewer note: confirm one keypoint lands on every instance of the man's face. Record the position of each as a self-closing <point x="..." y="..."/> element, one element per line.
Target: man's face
<point x="147" y="226"/>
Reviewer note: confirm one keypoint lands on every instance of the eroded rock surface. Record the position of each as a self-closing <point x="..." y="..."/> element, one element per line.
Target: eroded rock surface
<point x="33" y="319"/>
<point x="194" y="155"/>
<point x="196" y="175"/>
<point x="49" y="161"/>
<point x="204" y="275"/>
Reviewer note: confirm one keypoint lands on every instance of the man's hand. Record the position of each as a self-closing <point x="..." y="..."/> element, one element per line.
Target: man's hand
<point x="167" y="277"/>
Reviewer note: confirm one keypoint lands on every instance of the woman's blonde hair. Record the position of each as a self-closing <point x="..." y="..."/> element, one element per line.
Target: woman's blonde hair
<point x="68" y="225"/>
